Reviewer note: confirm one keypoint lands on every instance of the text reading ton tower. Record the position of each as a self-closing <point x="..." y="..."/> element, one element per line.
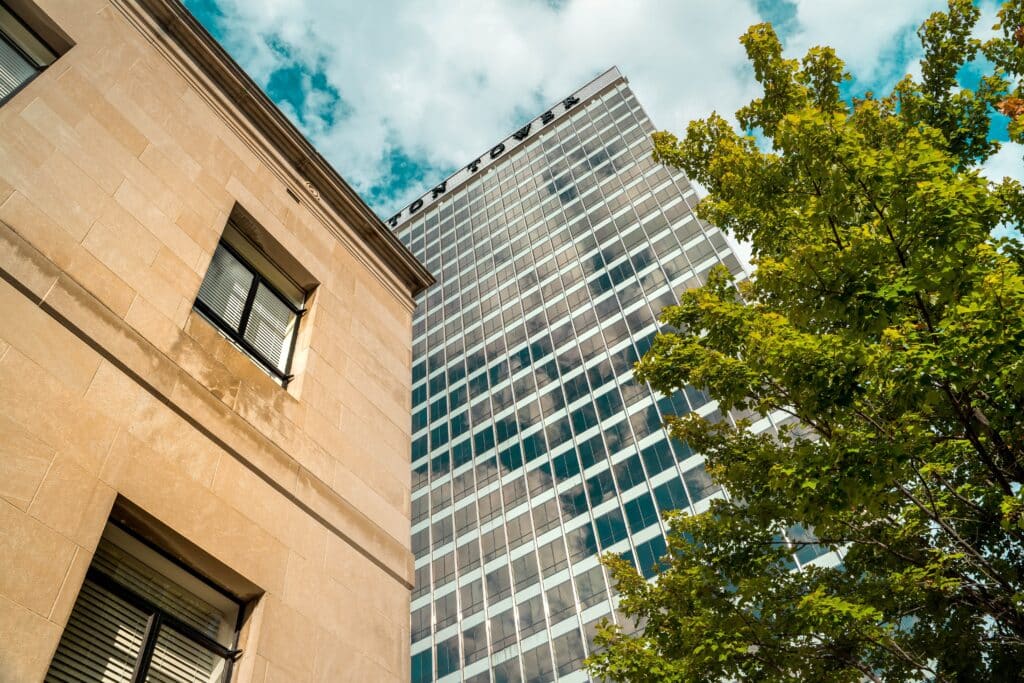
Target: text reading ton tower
<point x="534" y="450"/>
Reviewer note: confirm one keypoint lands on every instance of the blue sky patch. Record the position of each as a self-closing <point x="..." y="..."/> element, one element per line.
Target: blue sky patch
<point x="209" y="14"/>
<point x="292" y="83"/>
<point x="405" y="174"/>
<point x="781" y="14"/>
<point x="395" y="161"/>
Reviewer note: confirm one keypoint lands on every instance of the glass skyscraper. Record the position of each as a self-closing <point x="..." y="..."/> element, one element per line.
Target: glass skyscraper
<point x="534" y="450"/>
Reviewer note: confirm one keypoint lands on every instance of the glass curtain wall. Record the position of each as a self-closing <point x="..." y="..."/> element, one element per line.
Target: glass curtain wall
<point x="534" y="450"/>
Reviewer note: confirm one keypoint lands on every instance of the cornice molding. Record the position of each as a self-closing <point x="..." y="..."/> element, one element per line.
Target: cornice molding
<point x="200" y="55"/>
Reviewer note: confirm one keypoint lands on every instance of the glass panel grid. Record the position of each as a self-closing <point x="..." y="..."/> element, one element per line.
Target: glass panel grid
<point x="552" y="265"/>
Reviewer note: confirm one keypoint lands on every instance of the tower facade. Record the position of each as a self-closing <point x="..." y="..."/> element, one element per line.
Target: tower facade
<point x="534" y="450"/>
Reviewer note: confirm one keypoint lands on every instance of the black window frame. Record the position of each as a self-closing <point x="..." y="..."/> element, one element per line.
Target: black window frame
<point x="238" y="337"/>
<point x="157" y="621"/>
<point x="159" y="618"/>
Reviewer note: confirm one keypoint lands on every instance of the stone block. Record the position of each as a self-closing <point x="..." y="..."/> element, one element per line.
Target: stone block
<point x="28" y="642"/>
<point x="43" y="557"/>
<point x="287" y="638"/>
<point x="24" y="460"/>
<point x="63" y="499"/>
<point x="61" y="248"/>
<point x="72" y="586"/>
<point x="34" y="333"/>
<point x="67" y="424"/>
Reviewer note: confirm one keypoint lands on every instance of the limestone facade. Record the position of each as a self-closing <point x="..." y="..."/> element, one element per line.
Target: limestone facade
<point x="120" y="165"/>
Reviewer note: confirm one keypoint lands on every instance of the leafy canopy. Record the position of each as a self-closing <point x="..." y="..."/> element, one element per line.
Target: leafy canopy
<point x="883" y="330"/>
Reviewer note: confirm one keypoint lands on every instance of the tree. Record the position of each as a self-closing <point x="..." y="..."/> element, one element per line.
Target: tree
<point x="887" y="324"/>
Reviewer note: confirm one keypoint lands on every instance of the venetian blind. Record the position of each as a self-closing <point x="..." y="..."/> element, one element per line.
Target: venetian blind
<point x="266" y="323"/>
<point x="102" y="641"/>
<point x="176" y="659"/>
<point x="226" y="287"/>
<point x="269" y="328"/>
<point x="104" y="638"/>
<point x="14" y="69"/>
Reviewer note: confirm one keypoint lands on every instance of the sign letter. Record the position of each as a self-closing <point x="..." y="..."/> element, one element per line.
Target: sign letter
<point x="570" y="100"/>
<point x="473" y="166"/>
<point x="439" y="190"/>
<point x="522" y="132"/>
<point x="497" y="150"/>
<point x="546" y="118"/>
<point x="416" y="206"/>
<point x="393" y="221"/>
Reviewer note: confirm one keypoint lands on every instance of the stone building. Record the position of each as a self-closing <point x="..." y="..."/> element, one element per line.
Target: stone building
<point x="205" y="344"/>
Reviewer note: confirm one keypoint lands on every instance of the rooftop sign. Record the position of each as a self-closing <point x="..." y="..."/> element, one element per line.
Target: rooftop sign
<point x="505" y="146"/>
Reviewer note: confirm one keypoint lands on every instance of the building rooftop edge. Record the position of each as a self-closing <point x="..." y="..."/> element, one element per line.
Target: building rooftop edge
<point x="245" y="94"/>
<point x="510" y="142"/>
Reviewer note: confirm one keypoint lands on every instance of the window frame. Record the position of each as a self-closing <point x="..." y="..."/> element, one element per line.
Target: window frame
<point x="238" y="337"/>
<point x="17" y="47"/>
<point x="158" y="618"/>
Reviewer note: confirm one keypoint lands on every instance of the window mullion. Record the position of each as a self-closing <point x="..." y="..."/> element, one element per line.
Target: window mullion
<point x="249" y="299"/>
<point x="295" y="337"/>
<point x="112" y="586"/>
<point x="229" y="664"/>
<point x="149" y="644"/>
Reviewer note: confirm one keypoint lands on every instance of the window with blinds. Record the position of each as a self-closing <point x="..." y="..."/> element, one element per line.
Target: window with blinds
<point x="22" y="54"/>
<point x="140" y="617"/>
<point x="252" y="302"/>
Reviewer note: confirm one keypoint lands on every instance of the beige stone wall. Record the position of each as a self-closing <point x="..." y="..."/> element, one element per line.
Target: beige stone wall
<point x="118" y="169"/>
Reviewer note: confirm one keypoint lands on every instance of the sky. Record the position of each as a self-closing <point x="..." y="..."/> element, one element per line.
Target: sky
<point x="398" y="94"/>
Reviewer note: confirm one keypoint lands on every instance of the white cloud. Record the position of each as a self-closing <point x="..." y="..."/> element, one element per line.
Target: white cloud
<point x="444" y="81"/>
<point x="441" y="82"/>
<point x="1007" y="162"/>
<point x="866" y="34"/>
<point x="983" y="29"/>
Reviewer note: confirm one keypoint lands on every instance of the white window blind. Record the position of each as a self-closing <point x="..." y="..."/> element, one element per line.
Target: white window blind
<point x="102" y="641"/>
<point x="178" y="660"/>
<point x="226" y="286"/>
<point x="14" y="69"/>
<point x="270" y="326"/>
<point x="240" y="299"/>
<point x="143" y="580"/>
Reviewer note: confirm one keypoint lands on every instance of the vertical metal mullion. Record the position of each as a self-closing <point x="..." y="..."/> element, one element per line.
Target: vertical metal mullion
<point x="148" y="645"/>
<point x="229" y="663"/>
<point x="291" y="351"/>
<point x="229" y="668"/>
<point x="249" y="299"/>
